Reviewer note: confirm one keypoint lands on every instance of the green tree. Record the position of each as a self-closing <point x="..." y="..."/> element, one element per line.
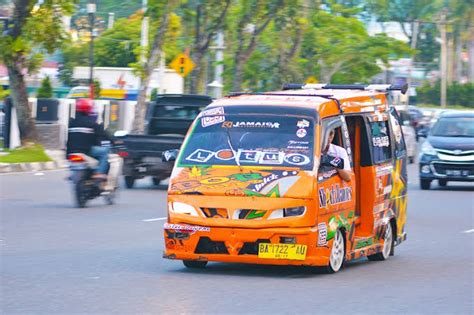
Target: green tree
<point x="45" y="90"/>
<point x="33" y="28"/>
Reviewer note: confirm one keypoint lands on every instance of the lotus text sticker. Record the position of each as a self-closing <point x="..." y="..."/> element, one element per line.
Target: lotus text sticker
<point x="297" y="159"/>
<point x="225" y="155"/>
<point x="301" y="133"/>
<point x="322" y="234"/>
<point x="200" y="155"/>
<point x="249" y="156"/>
<point x="186" y="228"/>
<point x="271" y="158"/>
<point x="303" y="123"/>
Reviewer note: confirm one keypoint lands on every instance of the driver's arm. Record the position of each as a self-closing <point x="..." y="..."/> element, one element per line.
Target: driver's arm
<point x="346" y="172"/>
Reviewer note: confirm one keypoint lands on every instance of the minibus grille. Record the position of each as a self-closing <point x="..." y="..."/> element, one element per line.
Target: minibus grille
<point x="251" y="248"/>
<point x="207" y="246"/>
<point x="215" y="213"/>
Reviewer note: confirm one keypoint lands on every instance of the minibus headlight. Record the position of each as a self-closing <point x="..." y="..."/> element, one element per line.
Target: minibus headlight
<point x="293" y="212"/>
<point x="183" y="208"/>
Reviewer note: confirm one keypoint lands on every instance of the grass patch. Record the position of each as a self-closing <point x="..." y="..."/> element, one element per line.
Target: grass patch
<point x="26" y="154"/>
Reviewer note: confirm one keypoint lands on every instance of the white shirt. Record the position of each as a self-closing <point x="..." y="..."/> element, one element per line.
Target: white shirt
<point x="340" y="152"/>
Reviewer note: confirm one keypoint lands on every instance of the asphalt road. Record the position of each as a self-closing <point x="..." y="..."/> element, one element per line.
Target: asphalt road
<point x="56" y="259"/>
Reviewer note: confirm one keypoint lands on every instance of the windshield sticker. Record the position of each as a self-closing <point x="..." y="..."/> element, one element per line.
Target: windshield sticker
<point x="213" y="111"/>
<point x="207" y="121"/>
<point x="225" y="155"/>
<point x="380" y="141"/>
<point x="297" y="159"/>
<point x="200" y="155"/>
<point x="271" y="158"/>
<point x="251" y="124"/>
<point x="249" y="156"/>
<point x="302" y="124"/>
<point x="301" y="133"/>
<point x="298" y="145"/>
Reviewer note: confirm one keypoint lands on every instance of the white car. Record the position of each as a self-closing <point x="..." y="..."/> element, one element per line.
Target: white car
<point x="409" y="133"/>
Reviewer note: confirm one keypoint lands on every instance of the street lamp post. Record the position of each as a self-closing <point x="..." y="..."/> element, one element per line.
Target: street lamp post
<point x="91" y="9"/>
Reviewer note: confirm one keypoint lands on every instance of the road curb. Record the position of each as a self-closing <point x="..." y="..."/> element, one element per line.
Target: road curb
<point x="57" y="163"/>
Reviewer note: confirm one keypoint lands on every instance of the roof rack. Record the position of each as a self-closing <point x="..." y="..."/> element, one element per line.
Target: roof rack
<point x="363" y="87"/>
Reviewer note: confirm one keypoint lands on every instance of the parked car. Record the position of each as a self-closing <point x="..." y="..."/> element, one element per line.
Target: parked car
<point x="448" y="152"/>
<point x="168" y="120"/>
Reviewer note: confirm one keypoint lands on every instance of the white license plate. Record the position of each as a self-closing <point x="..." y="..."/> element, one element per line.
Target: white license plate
<point x="151" y="159"/>
<point x="141" y="169"/>
<point x="454" y="172"/>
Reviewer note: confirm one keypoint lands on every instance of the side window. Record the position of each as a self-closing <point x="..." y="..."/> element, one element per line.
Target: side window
<point x="396" y="122"/>
<point x="380" y="141"/>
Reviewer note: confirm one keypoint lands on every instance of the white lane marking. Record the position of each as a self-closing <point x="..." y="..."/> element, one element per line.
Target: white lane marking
<point x="155" y="219"/>
<point x="29" y="172"/>
<point x="38" y="174"/>
<point x="468" y="231"/>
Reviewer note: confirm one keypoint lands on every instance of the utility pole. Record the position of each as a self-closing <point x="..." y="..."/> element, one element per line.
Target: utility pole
<point x="414" y="37"/>
<point x="443" y="63"/>
<point x="217" y="84"/>
<point x="144" y="38"/>
<point x="91" y="9"/>
<point x="111" y="20"/>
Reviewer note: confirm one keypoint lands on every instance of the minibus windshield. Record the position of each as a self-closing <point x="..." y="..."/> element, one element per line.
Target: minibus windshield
<point x="250" y="140"/>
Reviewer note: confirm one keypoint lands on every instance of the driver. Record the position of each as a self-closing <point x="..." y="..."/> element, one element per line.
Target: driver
<point x="339" y="152"/>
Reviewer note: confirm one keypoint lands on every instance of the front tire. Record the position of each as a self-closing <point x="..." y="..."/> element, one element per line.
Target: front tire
<point x="387" y="245"/>
<point x="425" y="184"/>
<point x="196" y="264"/>
<point x="129" y="181"/>
<point x="336" y="258"/>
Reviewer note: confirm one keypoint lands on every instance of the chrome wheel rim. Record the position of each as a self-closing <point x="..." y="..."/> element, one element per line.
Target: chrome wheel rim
<point x="387" y="241"/>
<point x="337" y="252"/>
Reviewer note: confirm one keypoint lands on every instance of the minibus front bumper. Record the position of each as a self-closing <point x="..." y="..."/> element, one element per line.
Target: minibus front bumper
<point x="240" y="245"/>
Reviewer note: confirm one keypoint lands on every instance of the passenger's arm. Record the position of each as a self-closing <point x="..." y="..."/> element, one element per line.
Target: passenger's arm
<point x="345" y="175"/>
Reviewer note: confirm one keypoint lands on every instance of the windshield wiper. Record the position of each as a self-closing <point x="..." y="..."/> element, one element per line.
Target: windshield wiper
<point x="234" y="152"/>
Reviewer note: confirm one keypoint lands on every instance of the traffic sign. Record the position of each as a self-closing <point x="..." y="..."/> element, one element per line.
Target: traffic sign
<point x="182" y="64"/>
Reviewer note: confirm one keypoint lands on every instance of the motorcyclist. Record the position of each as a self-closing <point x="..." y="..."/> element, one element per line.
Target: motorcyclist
<point x="85" y="136"/>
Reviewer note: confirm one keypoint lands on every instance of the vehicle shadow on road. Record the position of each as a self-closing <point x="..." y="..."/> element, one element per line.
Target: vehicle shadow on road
<point x="454" y="188"/>
<point x="270" y="271"/>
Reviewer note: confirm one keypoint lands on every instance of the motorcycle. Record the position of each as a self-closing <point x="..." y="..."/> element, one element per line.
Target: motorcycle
<point x="86" y="187"/>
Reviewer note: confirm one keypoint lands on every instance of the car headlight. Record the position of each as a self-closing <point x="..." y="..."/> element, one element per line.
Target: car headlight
<point x="293" y="212"/>
<point x="427" y="148"/>
<point x="183" y="208"/>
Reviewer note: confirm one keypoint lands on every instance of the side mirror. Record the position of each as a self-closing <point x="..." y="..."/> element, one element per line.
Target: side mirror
<point x="170" y="155"/>
<point x="120" y="133"/>
<point x="332" y="161"/>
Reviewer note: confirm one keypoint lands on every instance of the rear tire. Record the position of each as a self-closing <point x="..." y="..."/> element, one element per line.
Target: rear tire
<point x="442" y="182"/>
<point x="425" y="184"/>
<point x="196" y="264"/>
<point x="81" y="197"/>
<point x="336" y="258"/>
<point x="388" y="242"/>
<point x="129" y="181"/>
